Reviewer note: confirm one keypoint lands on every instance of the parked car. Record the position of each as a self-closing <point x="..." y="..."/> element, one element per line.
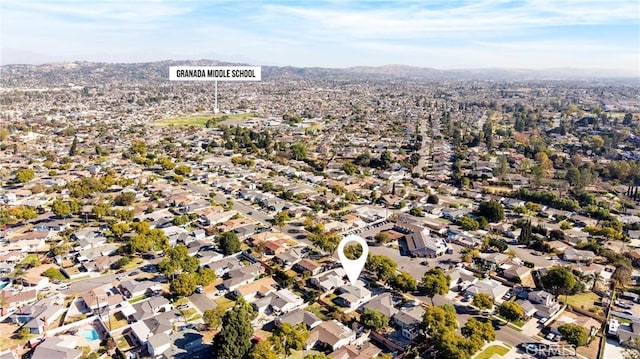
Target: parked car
<point x="64" y="287"/>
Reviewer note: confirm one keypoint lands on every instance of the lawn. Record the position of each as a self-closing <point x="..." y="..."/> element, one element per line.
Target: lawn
<point x="200" y="120"/>
<point x="135" y="263"/>
<point x="116" y="321"/>
<point x="224" y="303"/>
<point x="317" y="310"/>
<point x="137" y="299"/>
<point x="190" y="314"/>
<point x="489" y="351"/>
<point x="583" y="300"/>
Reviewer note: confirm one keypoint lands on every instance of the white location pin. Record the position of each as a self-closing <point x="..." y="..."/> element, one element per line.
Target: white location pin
<point x="353" y="267"/>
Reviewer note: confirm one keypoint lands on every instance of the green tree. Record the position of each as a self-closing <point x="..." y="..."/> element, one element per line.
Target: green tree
<point x="205" y="276"/>
<point x="182" y="170"/>
<point x="403" y="282"/>
<point x="23" y="333"/>
<point x="263" y="350"/>
<point x="511" y="311"/>
<point x="383" y="266"/>
<point x="125" y="199"/>
<point x="621" y="276"/>
<point x="491" y="210"/>
<point x="482" y="301"/>
<point x="416" y="211"/>
<point x="467" y="223"/>
<point x="475" y="328"/>
<point x="349" y="167"/>
<point x="382" y="238"/>
<point x="559" y="280"/>
<point x="574" y="334"/>
<point x="373" y="319"/>
<point x="183" y="285"/>
<point x="288" y="337"/>
<point x="433" y="199"/>
<point x="25" y="175"/>
<point x="213" y="317"/>
<point x="61" y="208"/>
<point x="435" y="281"/>
<point x="234" y="340"/>
<point x="228" y="243"/>
<point x="299" y="151"/>
<point x="281" y="218"/>
<point x="438" y="320"/>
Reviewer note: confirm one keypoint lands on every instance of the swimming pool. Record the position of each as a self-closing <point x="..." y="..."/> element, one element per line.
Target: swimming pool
<point x="90" y="334"/>
<point x="4" y="283"/>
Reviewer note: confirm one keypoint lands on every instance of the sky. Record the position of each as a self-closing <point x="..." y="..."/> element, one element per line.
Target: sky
<point x="527" y="34"/>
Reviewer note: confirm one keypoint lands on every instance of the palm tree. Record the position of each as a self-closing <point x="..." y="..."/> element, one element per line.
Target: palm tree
<point x="595" y="279"/>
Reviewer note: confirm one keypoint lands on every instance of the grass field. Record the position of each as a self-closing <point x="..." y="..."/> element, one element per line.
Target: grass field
<point x="583" y="300"/>
<point x="200" y="120"/>
<point x="489" y="351"/>
<point x="224" y="303"/>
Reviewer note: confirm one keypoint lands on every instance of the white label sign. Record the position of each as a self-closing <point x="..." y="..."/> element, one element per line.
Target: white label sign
<point x="215" y="73"/>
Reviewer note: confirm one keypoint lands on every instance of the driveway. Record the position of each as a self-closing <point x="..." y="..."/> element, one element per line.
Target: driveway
<point x="201" y="302"/>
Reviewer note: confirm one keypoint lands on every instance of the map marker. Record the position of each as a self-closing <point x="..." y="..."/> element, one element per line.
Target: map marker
<point x="353" y="267"/>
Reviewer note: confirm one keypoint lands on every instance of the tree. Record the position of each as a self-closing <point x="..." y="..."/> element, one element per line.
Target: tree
<point x="511" y="311"/>
<point x="281" y="218"/>
<point x="373" y="319"/>
<point x="475" y="328"/>
<point x="288" y="337"/>
<point x="559" y="280"/>
<point x="213" y="317"/>
<point x="299" y="151"/>
<point x="416" y="211"/>
<point x="482" y="301"/>
<point x="234" y="340"/>
<point x="349" y="167"/>
<point x="439" y="319"/>
<point x="382" y="238"/>
<point x="435" y="281"/>
<point x="125" y="199"/>
<point x="574" y="334"/>
<point x="60" y="208"/>
<point x="205" y="276"/>
<point x="433" y="199"/>
<point x="382" y="266"/>
<point x="467" y="223"/>
<point x="403" y="282"/>
<point x="228" y="243"/>
<point x="23" y="333"/>
<point x="25" y="175"/>
<point x="183" y="285"/>
<point x="74" y="147"/>
<point x="621" y="276"/>
<point x="182" y="170"/>
<point x="493" y="211"/>
<point x="628" y="118"/>
<point x="263" y="350"/>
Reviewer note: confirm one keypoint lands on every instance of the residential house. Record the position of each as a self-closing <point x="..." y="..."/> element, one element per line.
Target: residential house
<point x="150" y="308"/>
<point x="37" y="317"/>
<point x="366" y="351"/>
<point x="134" y="288"/>
<point x="279" y="302"/>
<point x="289" y="258"/>
<point x="12" y="302"/>
<point x="383" y="303"/>
<point x="255" y="289"/>
<point x="56" y="348"/>
<point x="225" y="265"/>
<point x="545" y="303"/>
<point x="299" y="316"/>
<point x="241" y="276"/>
<point x="516" y="273"/>
<point x="528" y="308"/>
<point x="330" y="280"/>
<point x="490" y="287"/>
<point x="352" y="295"/>
<point x="331" y="333"/>
<point x="576" y="255"/>
<point x="308" y="265"/>
<point x="158" y="344"/>
<point x="409" y="321"/>
<point x="461" y="279"/>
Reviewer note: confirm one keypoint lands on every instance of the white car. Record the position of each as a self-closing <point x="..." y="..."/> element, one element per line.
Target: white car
<point x="64" y="287"/>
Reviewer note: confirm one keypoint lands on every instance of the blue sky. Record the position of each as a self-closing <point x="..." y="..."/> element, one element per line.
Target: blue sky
<point x="442" y="34"/>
